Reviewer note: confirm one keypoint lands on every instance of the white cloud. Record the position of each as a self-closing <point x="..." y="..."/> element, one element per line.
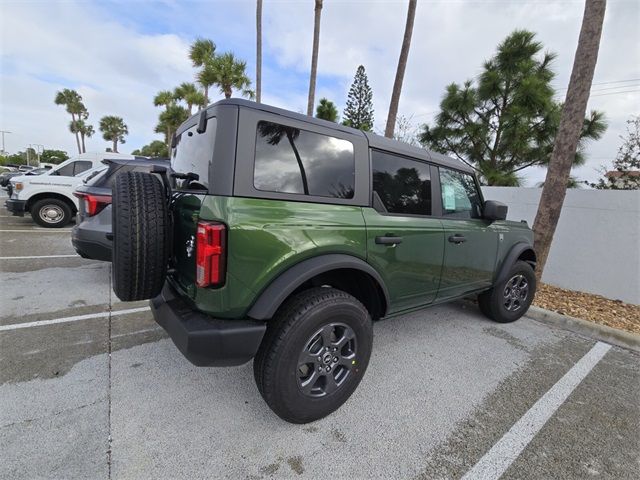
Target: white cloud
<point x="114" y="68"/>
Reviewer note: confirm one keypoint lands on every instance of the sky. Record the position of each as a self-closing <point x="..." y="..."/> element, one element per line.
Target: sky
<point x="119" y="54"/>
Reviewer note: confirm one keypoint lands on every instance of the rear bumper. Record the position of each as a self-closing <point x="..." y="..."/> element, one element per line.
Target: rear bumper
<point x="203" y="340"/>
<point x="90" y="245"/>
<point x="16" y="207"/>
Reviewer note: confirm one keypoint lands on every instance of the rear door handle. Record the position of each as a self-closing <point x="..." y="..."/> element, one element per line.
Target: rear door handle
<point x="457" y="238"/>
<point x="388" y="240"/>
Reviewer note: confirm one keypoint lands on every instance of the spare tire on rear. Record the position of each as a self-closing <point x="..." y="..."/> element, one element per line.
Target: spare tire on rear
<point x="140" y="224"/>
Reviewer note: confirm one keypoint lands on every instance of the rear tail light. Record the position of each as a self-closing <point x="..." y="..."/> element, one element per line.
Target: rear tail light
<point x="210" y="254"/>
<point x="93" y="204"/>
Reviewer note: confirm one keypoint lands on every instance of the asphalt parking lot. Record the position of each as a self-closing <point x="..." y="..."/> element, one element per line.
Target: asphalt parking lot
<point x="90" y="387"/>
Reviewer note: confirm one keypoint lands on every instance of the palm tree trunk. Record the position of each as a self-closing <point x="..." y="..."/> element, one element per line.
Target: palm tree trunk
<point x="206" y="95"/>
<point x="84" y="150"/>
<point x="258" y="51"/>
<point x="228" y="92"/>
<point x="571" y="121"/>
<point x="303" y="173"/>
<point x="314" y="57"/>
<point x="73" y="119"/>
<point x="402" y="65"/>
<point x="115" y="145"/>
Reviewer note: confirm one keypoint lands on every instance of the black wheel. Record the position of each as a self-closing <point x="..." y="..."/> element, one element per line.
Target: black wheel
<point x="314" y="354"/>
<point x="510" y="299"/>
<point x="140" y="225"/>
<point x="51" y="213"/>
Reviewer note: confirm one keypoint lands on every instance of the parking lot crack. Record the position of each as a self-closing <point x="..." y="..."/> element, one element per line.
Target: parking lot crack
<point x="109" y="345"/>
<point x="55" y="414"/>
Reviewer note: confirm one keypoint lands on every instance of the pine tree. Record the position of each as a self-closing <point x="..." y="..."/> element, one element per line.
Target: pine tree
<point x="359" y="110"/>
<point x="507" y="119"/>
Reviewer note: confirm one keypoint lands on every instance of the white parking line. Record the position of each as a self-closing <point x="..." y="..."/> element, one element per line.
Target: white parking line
<point x="496" y="461"/>
<point x="89" y="316"/>
<point x="39" y="230"/>
<point x="33" y="257"/>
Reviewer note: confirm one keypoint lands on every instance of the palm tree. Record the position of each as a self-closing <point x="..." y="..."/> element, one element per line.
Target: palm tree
<point x="74" y="106"/>
<point x="113" y="130"/>
<point x="191" y="96"/>
<point x="568" y="136"/>
<point x="230" y="74"/>
<point x="327" y="110"/>
<point x="402" y="65"/>
<point x="169" y="122"/>
<point x="274" y="133"/>
<point x="258" y="51"/>
<point x="83" y="129"/>
<point x="202" y="53"/>
<point x="164" y="98"/>
<point x="314" y="57"/>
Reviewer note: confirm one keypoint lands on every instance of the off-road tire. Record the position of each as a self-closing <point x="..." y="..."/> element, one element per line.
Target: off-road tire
<point x="59" y="205"/>
<point x="140" y="223"/>
<point x="275" y="364"/>
<point x="492" y="304"/>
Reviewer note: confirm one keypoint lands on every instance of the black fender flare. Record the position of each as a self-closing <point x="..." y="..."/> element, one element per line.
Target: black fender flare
<point x="279" y="289"/>
<point x="511" y="258"/>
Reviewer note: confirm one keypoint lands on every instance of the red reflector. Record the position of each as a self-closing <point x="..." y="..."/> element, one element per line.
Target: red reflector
<point x="210" y="254"/>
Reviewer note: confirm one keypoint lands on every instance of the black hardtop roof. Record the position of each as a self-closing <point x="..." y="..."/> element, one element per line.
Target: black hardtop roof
<point x="375" y="141"/>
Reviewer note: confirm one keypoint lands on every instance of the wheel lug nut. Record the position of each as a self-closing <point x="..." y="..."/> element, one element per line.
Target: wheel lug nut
<point x="319" y="369"/>
<point x="335" y="359"/>
<point x="328" y="369"/>
<point x="319" y="359"/>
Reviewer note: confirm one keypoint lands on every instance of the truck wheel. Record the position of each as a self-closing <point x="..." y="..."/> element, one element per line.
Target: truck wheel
<point x="510" y="299"/>
<point x="314" y="354"/>
<point x="140" y="223"/>
<point x="51" y="213"/>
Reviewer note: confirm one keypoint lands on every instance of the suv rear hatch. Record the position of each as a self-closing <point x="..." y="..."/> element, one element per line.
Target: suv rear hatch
<point x="191" y="159"/>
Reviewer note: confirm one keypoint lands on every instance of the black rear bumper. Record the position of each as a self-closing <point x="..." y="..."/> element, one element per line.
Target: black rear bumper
<point x="203" y="340"/>
<point x="16" y="207"/>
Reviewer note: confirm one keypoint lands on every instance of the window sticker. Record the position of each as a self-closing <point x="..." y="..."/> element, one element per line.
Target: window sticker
<point x="449" y="197"/>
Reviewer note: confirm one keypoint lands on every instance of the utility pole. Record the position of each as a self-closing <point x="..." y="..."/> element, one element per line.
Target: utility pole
<point x="3" y="132"/>
<point x="38" y="152"/>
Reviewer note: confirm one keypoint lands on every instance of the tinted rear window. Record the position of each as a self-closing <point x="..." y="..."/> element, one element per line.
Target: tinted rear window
<point x="194" y="152"/>
<point x="403" y="185"/>
<point x="291" y="160"/>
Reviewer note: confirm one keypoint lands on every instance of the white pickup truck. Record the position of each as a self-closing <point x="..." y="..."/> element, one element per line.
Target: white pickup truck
<point x="49" y="197"/>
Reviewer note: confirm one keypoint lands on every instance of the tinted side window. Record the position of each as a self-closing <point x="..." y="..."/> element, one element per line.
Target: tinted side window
<point x="67" y="170"/>
<point x="81" y="166"/>
<point x="291" y="160"/>
<point x="403" y="185"/>
<point x="460" y="197"/>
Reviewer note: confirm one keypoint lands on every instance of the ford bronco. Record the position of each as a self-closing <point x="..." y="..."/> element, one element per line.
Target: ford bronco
<point x="281" y="237"/>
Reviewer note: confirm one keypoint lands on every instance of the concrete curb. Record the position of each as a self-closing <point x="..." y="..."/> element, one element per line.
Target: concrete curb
<point x="606" y="334"/>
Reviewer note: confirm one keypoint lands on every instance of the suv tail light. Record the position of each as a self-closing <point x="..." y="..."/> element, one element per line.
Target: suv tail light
<point x="93" y="204"/>
<point x="210" y="254"/>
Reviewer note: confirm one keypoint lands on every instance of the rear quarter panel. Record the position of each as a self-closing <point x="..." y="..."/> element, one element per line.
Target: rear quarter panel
<point x="266" y="237"/>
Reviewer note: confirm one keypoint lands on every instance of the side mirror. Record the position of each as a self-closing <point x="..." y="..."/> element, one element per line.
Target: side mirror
<point x="495" y="210"/>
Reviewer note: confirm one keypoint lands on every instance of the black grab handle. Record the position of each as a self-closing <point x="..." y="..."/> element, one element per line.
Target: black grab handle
<point x="457" y="238"/>
<point x="388" y="240"/>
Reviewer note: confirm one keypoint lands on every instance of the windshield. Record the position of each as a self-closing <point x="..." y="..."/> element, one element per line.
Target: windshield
<point x="194" y="152"/>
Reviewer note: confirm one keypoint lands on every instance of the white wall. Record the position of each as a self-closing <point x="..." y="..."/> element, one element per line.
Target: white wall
<point x="596" y="247"/>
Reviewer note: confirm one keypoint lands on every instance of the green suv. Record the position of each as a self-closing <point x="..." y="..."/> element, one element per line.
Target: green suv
<point x="281" y="237"/>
